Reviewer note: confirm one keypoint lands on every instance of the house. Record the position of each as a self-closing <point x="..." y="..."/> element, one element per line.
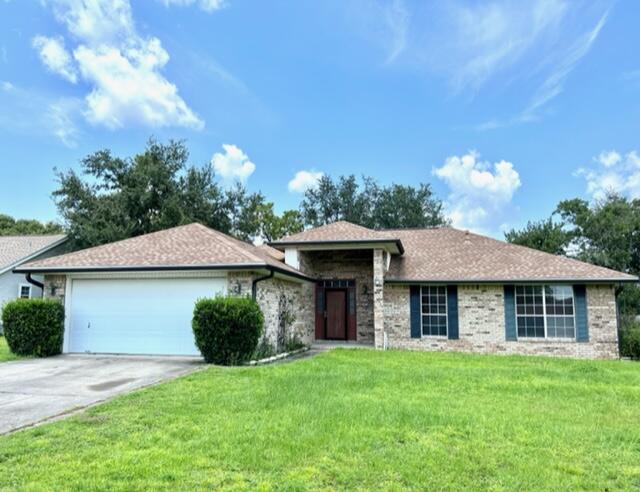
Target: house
<point x="420" y="289"/>
<point x="16" y="250"/>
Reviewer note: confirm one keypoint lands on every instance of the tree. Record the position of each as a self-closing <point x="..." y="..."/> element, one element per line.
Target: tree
<point x="25" y="227"/>
<point x="605" y="233"/>
<point x="545" y="235"/>
<point x="370" y="204"/>
<point x="115" y="198"/>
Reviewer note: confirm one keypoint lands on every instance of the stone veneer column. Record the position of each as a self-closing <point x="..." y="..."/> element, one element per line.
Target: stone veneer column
<point x="58" y="282"/>
<point x="378" y="297"/>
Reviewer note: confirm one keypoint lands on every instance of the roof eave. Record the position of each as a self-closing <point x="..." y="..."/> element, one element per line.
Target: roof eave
<point x="161" y="268"/>
<point x="34" y="255"/>
<point x="280" y="245"/>
<point x="403" y="281"/>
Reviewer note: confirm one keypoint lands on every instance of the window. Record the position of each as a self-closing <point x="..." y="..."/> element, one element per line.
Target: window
<point x="545" y="311"/>
<point x="24" y="291"/>
<point x="434" y="310"/>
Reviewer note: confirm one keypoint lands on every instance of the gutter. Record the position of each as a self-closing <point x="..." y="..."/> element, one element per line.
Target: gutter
<point x="164" y="268"/>
<point x="283" y="244"/>
<point x="254" y="284"/>
<point x="34" y="282"/>
<point x="511" y="281"/>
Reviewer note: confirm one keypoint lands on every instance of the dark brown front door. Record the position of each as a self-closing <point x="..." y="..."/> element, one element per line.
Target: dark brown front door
<point x="336" y="320"/>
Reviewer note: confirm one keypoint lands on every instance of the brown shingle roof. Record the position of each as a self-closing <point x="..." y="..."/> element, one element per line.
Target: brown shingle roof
<point x="14" y="249"/>
<point x="189" y="246"/>
<point x="338" y="231"/>
<point x="447" y="254"/>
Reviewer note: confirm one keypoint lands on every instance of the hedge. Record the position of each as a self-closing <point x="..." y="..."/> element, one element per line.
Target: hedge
<point x="630" y="342"/>
<point x="34" y="327"/>
<point x="227" y="329"/>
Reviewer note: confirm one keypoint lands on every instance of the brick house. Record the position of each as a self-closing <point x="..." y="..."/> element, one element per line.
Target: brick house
<point x="420" y="289"/>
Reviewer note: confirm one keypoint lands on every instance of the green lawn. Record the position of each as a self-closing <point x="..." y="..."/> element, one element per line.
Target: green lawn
<point x="5" y="353"/>
<point x="352" y="419"/>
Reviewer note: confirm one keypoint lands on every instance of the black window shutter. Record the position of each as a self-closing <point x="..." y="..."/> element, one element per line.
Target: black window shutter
<point x="415" y="312"/>
<point x="582" y="322"/>
<point x="452" y="311"/>
<point x="510" y="313"/>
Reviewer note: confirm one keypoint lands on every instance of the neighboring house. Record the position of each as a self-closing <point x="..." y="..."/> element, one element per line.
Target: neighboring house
<point x="16" y="250"/>
<point x="422" y="289"/>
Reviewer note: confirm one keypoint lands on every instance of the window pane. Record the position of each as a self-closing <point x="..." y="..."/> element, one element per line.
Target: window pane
<point x="434" y="310"/>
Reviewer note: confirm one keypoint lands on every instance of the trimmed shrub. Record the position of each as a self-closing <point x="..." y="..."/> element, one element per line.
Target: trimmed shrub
<point x="630" y="342"/>
<point x="227" y="329"/>
<point x="34" y="327"/>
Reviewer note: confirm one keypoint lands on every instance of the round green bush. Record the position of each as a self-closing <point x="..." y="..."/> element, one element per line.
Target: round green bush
<point x="227" y="329"/>
<point x="34" y="327"/>
<point x="630" y="343"/>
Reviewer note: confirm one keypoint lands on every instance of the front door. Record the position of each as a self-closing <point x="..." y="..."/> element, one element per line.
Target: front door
<point x="336" y="317"/>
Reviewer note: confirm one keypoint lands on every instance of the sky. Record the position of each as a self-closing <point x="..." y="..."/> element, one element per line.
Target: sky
<point x="504" y="107"/>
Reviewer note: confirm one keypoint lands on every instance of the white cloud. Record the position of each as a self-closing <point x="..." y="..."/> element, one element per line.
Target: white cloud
<point x="60" y="117"/>
<point x="303" y="180"/>
<point x="609" y="158"/>
<point x="613" y="173"/>
<point x="563" y="66"/>
<point x="206" y="5"/>
<point x="122" y="67"/>
<point x="384" y="23"/>
<point x="479" y="191"/>
<point x="472" y="43"/>
<point x="233" y="164"/>
<point x="27" y="112"/>
<point x="55" y="57"/>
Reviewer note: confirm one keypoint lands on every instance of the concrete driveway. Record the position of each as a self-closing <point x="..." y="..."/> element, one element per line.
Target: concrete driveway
<point x="35" y="390"/>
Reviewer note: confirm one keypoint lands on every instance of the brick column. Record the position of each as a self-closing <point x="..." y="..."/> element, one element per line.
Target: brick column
<point x="58" y="282"/>
<point x="378" y="297"/>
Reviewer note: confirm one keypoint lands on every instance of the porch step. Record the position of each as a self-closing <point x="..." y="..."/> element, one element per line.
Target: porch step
<point x="324" y="345"/>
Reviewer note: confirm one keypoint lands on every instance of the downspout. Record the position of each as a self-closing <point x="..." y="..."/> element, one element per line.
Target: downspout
<point x="35" y="282"/>
<point x="254" y="284"/>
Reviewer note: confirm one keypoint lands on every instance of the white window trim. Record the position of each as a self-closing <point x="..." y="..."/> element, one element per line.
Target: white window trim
<point x="544" y="313"/>
<point x="20" y="286"/>
<point x="446" y="313"/>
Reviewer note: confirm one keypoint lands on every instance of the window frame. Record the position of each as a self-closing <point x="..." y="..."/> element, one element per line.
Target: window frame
<point x="29" y="286"/>
<point x="544" y="312"/>
<point x="446" y="313"/>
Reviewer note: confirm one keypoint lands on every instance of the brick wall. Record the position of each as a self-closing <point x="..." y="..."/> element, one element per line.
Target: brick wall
<point x="347" y="265"/>
<point x="481" y="325"/>
<point x="275" y="297"/>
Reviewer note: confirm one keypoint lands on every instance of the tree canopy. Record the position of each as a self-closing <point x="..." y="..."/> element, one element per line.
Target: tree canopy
<point x="114" y="198"/>
<point x="545" y="235"/>
<point x="26" y="227"/>
<point x="605" y="232"/>
<point x="371" y="205"/>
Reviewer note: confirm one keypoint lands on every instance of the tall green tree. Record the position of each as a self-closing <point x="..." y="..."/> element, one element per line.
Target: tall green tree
<point x="605" y="232"/>
<point x="27" y="227"/>
<point x="115" y="198"/>
<point x="545" y="235"/>
<point x="369" y="204"/>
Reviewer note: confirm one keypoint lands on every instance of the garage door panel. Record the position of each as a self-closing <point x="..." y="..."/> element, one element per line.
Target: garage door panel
<point x="137" y="316"/>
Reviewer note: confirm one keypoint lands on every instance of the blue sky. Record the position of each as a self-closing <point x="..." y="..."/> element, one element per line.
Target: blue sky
<point x="506" y="107"/>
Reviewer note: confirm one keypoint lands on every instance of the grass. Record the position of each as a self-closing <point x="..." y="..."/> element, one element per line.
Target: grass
<point x="5" y="353"/>
<point x="352" y="419"/>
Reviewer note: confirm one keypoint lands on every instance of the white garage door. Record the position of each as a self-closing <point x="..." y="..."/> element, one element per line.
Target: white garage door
<point x="137" y="316"/>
